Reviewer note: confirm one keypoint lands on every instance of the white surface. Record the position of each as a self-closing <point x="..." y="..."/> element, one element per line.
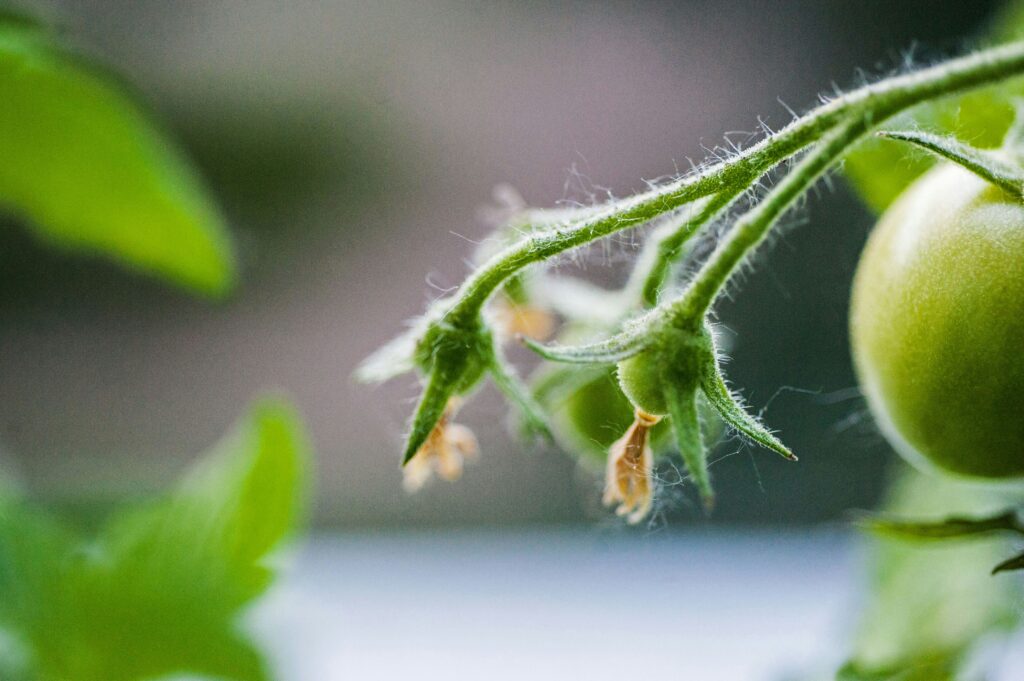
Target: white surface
<point x="558" y="605"/>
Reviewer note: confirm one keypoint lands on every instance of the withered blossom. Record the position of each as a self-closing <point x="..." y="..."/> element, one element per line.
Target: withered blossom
<point x="523" y="319"/>
<point x="628" y="477"/>
<point x="444" y="452"/>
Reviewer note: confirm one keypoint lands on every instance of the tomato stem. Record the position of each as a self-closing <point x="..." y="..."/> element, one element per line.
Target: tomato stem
<point x="873" y="103"/>
<point x="453" y="347"/>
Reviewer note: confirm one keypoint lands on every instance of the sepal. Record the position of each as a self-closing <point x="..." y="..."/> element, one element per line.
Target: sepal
<point x="950" y="528"/>
<point x="627" y="343"/>
<point x="532" y="419"/>
<point x="394" y="358"/>
<point x="682" y="410"/>
<point x="733" y="412"/>
<point x="988" y="165"/>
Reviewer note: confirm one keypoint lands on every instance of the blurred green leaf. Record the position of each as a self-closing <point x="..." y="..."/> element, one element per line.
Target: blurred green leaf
<point x="1009" y="565"/>
<point x="949" y="528"/>
<point x="929" y="604"/>
<point x="88" y="169"/>
<point x="923" y="670"/>
<point x="161" y="587"/>
<point x="34" y="549"/>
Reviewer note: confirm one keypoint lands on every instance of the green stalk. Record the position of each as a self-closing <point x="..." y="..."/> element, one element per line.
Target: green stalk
<point x="872" y="104"/>
<point x="751" y="229"/>
<point x="670" y="247"/>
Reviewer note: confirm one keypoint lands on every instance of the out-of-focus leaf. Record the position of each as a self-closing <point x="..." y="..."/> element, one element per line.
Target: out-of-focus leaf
<point x="949" y="528"/>
<point x="923" y="670"/>
<point x="240" y="502"/>
<point x="87" y="168"/>
<point x="929" y="604"/>
<point x="33" y="551"/>
<point x="160" y="590"/>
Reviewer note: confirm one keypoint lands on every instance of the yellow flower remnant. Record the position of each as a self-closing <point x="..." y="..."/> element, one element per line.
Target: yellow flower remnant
<point x="445" y="451"/>
<point x="523" y="319"/>
<point x="628" y="477"/>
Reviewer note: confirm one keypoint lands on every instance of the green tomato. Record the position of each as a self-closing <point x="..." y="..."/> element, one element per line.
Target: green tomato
<point x="677" y="359"/>
<point x="640" y="378"/>
<point x="596" y="414"/>
<point x="937" y="325"/>
<point x="590" y="414"/>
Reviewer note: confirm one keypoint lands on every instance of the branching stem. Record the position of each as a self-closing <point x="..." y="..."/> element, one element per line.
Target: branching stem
<point x="751" y="229"/>
<point x="869" y="106"/>
<point x="670" y="247"/>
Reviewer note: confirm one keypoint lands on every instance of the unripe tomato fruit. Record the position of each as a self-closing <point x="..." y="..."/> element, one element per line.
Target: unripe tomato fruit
<point x="937" y="325"/>
<point x="597" y="414"/>
<point x="640" y="378"/>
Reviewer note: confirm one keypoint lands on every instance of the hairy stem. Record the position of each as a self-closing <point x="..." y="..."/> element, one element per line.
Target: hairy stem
<point x="751" y="229"/>
<point x="870" y="105"/>
<point x="670" y="247"/>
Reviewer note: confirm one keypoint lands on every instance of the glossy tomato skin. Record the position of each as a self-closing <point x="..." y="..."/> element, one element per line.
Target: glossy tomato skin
<point x="937" y="325"/>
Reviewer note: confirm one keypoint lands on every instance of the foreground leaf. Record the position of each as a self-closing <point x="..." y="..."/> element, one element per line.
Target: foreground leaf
<point x="160" y="590"/>
<point x="929" y="604"/>
<point x="88" y="170"/>
<point x="949" y="528"/>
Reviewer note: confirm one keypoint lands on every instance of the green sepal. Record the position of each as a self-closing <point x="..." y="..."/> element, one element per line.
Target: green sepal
<point x="453" y="359"/>
<point x="682" y="409"/>
<point x="880" y="170"/>
<point x="394" y="358"/>
<point x="734" y="414"/>
<point x="583" y="303"/>
<point x="439" y="389"/>
<point x="988" y="165"/>
<point x="516" y="289"/>
<point x="957" y="527"/>
<point x="619" y="347"/>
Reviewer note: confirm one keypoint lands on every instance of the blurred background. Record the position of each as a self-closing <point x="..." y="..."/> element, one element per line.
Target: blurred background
<point x="352" y="146"/>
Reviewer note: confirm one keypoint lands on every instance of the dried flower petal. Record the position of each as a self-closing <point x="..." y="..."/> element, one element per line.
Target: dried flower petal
<point x="446" y="449"/>
<point x="628" y="477"/>
<point x="523" y="319"/>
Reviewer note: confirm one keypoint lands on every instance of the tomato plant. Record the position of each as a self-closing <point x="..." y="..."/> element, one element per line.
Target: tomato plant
<point x="658" y="334"/>
<point x="937" y="324"/>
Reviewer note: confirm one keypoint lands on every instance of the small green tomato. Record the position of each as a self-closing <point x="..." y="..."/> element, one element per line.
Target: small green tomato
<point x="640" y="378"/>
<point x="679" y="357"/>
<point x="596" y="414"/>
<point x="937" y="325"/>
